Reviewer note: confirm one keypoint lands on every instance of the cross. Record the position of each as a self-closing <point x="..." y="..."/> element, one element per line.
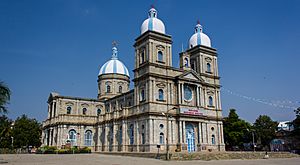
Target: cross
<point x="114" y="43"/>
<point x="198" y="21"/>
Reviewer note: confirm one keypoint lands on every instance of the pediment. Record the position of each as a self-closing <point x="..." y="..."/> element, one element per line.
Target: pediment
<point x="191" y="75"/>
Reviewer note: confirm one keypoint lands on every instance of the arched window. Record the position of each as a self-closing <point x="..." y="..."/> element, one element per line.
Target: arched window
<point x="143" y="134"/>
<point x="98" y="111"/>
<point x="159" y="56"/>
<point x="161" y="126"/>
<point x="120" y="89"/>
<point x="208" y="67"/>
<point x="213" y="141"/>
<point x="186" y="62"/>
<point x="69" y="110"/>
<point x="143" y="138"/>
<point x="161" y="138"/>
<point x="143" y="95"/>
<point x="120" y="135"/>
<point x="142" y="57"/>
<point x="88" y="136"/>
<point x="210" y="101"/>
<point x="108" y="89"/>
<point x="72" y="137"/>
<point x="160" y="94"/>
<point x="84" y="111"/>
<point x="131" y="134"/>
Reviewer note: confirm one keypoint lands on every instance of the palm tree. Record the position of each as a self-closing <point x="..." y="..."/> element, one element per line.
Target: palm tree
<point x="4" y="97"/>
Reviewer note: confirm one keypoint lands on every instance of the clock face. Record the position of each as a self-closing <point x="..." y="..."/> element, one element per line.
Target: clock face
<point x="188" y="94"/>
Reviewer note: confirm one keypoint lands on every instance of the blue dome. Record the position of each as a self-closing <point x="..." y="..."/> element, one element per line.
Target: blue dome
<point x="114" y="66"/>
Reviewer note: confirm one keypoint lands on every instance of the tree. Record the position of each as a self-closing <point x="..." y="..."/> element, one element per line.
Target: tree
<point x="295" y="134"/>
<point x="5" y="132"/>
<point x="265" y="129"/>
<point x="236" y="131"/>
<point x="4" y="97"/>
<point x="26" y="132"/>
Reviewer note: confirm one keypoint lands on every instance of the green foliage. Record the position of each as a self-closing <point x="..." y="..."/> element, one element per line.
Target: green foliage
<point x="85" y="150"/>
<point x="26" y="132"/>
<point x="5" y="132"/>
<point x="265" y="129"/>
<point x="236" y="131"/>
<point x="54" y="150"/>
<point x="4" y="97"/>
<point x="295" y="134"/>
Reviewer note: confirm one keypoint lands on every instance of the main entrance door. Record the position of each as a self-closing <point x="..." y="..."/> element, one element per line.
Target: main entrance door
<point x="190" y="137"/>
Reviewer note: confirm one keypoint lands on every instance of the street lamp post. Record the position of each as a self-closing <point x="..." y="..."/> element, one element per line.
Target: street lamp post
<point x="167" y="136"/>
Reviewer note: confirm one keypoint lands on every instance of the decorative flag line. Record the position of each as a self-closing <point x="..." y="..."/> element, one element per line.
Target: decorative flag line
<point x="274" y="103"/>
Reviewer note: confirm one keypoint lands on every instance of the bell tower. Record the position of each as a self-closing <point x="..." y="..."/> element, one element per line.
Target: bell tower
<point x="153" y="54"/>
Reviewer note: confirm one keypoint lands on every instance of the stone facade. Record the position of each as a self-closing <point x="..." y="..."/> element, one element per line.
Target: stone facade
<point x="136" y="120"/>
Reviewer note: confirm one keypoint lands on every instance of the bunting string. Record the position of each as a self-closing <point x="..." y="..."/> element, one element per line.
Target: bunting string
<point x="288" y="104"/>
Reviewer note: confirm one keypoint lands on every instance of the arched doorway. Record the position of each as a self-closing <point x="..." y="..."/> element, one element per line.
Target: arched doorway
<point x="190" y="137"/>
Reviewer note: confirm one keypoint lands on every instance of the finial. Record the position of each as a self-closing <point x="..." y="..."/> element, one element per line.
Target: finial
<point x="198" y="27"/>
<point x="182" y="50"/>
<point x="114" y="50"/>
<point x="114" y="43"/>
<point x="152" y="6"/>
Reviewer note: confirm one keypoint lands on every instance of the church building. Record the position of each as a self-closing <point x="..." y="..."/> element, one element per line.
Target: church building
<point x="179" y="108"/>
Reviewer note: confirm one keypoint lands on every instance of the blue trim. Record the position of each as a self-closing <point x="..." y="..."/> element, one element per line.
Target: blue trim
<point x="124" y="68"/>
<point x="115" y="66"/>
<point x="104" y="67"/>
<point x="150" y="24"/>
<point x="198" y="38"/>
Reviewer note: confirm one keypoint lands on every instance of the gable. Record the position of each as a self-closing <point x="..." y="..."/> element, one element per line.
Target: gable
<point x="190" y="76"/>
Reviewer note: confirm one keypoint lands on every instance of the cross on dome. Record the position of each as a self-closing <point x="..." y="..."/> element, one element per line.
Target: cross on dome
<point x="198" y="27"/>
<point x="114" y="50"/>
<point x="152" y="12"/>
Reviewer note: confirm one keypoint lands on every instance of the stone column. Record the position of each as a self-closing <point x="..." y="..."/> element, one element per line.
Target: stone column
<point x="58" y="143"/>
<point x="204" y="133"/>
<point x="115" y="137"/>
<point x="106" y="137"/>
<point x="124" y="134"/>
<point x="137" y="136"/>
<point x="179" y="93"/>
<point x="182" y="93"/>
<point x="199" y="133"/>
<point x="184" y="132"/>
<point x="198" y="96"/>
<point x="180" y="131"/>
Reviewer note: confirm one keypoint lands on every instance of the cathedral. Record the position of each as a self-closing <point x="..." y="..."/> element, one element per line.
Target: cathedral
<point x="174" y="109"/>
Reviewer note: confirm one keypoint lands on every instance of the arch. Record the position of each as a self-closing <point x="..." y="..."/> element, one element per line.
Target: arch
<point x="73" y="137"/>
<point x="143" y="95"/>
<point x="69" y="109"/>
<point x="142" y="57"/>
<point x="190" y="137"/>
<point x="84" y="110"/>
<point x="120" y="135"/>
<point x="160" y="56"/>
<point x="210" y="101"/>
<point x="131" y="134"/>
<point x="161" y="138"/>
<point x="108" y="90"/>
<point x="120" y="89"/>
<point x="213" y="140"/>
<point x="208" y="67"/>
<point x="186" y="62"/>
<point x="98" y="111"/>
<point x="160" y="94"/>
<point x="88" y="136"/>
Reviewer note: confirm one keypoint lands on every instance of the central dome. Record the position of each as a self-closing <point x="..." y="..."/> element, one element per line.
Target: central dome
<point x="114" y="66"/>
<point x="153" y="23"/>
